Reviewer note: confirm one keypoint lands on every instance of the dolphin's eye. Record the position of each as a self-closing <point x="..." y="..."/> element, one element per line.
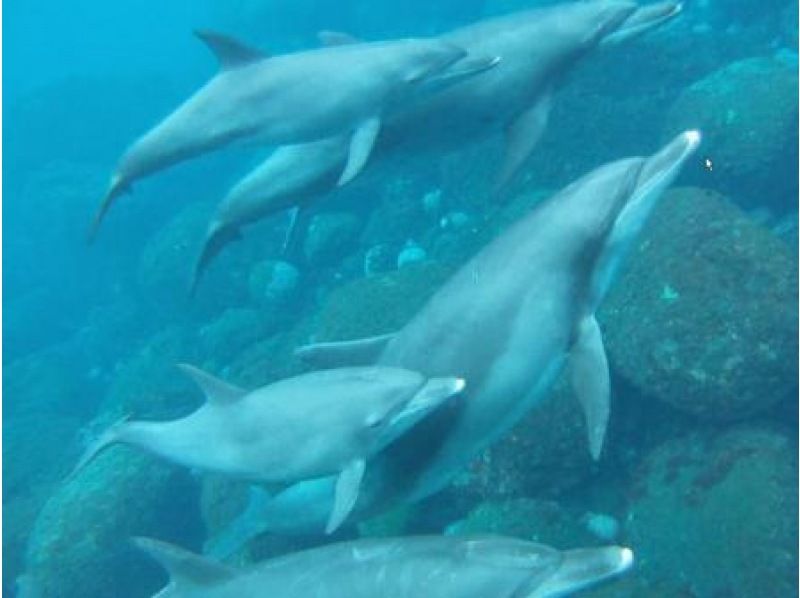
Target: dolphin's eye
<point x="374" y="421"/>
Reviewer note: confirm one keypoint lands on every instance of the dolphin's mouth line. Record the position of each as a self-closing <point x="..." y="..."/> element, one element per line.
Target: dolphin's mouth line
<point x="654" y="181"/>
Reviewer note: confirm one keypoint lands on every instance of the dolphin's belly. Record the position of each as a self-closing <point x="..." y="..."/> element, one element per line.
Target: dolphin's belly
<point x="509" y="355"/>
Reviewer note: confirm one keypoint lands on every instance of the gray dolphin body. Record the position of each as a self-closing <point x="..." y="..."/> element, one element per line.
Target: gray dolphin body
<point x="304" y="427"/>
<point x="409" y="567"/>
<point x="506" y="322"/>
<point x="290" y="99"/>
<point x="537" y="48"/>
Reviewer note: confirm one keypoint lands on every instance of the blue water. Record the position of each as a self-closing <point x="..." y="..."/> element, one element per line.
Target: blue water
<point x="92" y="331"/>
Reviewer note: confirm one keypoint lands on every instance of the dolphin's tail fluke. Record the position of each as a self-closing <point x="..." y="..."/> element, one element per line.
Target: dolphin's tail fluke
<point x="106" y="439"/>
<point x="118" y="187"/>
<point x="217" y="238"/>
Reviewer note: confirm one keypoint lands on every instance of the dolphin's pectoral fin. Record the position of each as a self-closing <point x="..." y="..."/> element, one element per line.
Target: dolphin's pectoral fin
<point x="293" y="230"/>
<point x="522" y="136"/>
<point x="217" y="392"/>
<point x="230" y="52"/>
<point x="336" y="38"/>
<point x="590" y="380"/>
<point x="363" y="351"/>
<point x="347" y="485"/>
<point x="187" y="570"/>
<point x="463" y="69"/>
<point x="361" y="145"/>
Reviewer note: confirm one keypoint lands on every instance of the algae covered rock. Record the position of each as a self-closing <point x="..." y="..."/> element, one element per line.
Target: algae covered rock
<point x="273" y="283"/>
<point x="705" y="318"/>
<point x="546" y="453"/>
<point x="330" y="236"/>
<point x="378" y="304"/>
<point x="748" y="114"/>
<point x="717" y="515"/>
<point x="80" y="544"/>
<point x="537" y="520"/>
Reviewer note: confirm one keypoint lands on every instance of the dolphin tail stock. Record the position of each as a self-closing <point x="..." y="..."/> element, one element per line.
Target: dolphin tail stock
<point x="249" y="524"/>
<point x="187" y="571"/>
<point x="106" y="438"/>
<point x="216" y="239"/>
<point x="118" y="187"/>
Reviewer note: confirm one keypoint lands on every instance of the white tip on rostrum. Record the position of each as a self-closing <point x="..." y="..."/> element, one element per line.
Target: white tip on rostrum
<point x="460" y="384"/>
<point x="693" y="136"/>
<point x="625" y="558"/>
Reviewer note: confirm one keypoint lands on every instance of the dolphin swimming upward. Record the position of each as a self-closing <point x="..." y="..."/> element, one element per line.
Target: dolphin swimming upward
<point x="507" y="322"/>
<point x="308" y="426"/>
<point x="408" y="567"/>
<point x="538" y="48"/>
<point x="293" y="98"/>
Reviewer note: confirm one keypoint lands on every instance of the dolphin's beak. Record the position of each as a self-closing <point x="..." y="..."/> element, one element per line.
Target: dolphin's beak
<point x="660" y="169"/>
<point x="432" y="394"/>
<point x="643" y="19"/>
<point x="584" y="567"/>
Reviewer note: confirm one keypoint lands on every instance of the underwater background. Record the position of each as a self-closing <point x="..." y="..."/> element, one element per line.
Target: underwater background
<point x="699" y="473"/>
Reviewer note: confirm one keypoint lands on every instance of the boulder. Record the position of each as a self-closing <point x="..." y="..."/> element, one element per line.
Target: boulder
<point x="80" y="544"/>
<point x="705" y="316"/>
<point x="715" y="514"/>
<point x="747" y="111"/>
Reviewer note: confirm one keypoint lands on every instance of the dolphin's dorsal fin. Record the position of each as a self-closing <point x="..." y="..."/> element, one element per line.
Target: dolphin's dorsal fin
<point x="336" y="38"/>
<point x="588" y="366"/>
<point x="230" y="52"/>
<point x="185" y="568"/>
<point x="217" y="391"/>
<point x="362" y="351"/>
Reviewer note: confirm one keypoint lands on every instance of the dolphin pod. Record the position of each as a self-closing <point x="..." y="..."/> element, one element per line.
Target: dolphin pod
<point x="407" y="567"/>
<point x="537" y="48"/>
<point x="507" y="322"/>
<point x="298" y="428"/>
<point x="293" y="98"/>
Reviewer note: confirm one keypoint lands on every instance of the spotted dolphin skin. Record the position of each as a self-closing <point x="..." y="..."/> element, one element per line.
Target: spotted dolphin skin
<point x="537" y="49"/>
<point x="304" y="427"/>
<point x="507" y="322"/>
<point x="408" y="567"/>
<point x="291" y="98"/>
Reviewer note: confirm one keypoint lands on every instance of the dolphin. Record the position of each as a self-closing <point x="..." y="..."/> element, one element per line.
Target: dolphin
<point x="507" y="322"/>
<point x="538" y="48"/>
<point x="291" y="98"/>
<point x="407" y="567"/>
<point x="308" y="426"/>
